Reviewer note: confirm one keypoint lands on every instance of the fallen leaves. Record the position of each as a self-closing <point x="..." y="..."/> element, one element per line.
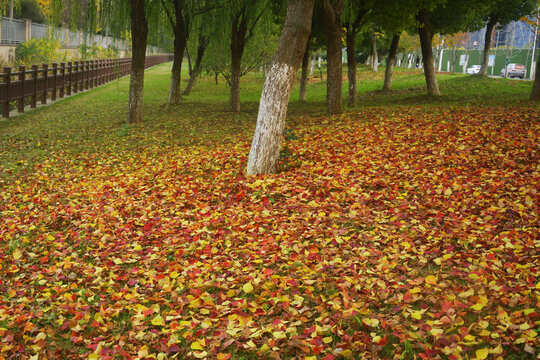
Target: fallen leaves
<point x="411" y="233"/>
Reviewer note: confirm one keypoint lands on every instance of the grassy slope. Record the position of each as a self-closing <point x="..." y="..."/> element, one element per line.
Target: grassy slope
<point x="95" y="120"/>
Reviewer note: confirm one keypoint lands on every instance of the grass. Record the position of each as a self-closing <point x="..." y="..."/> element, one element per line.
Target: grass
<point x="94" y="121"/>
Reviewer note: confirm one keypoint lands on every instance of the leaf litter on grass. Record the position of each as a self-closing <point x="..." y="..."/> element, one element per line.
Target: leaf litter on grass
<point x="395" y="234"/>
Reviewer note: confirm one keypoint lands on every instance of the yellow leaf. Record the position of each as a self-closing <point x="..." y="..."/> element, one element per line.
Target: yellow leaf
<point x="415" y="290"/>
<point x="482" y="353"/>
<point x="174" y="274"/>
<point x="264" y="348"/>
<point x="327" y="340"/>
<point x="93" y="356"/>
<point x="200" y="355"/>
<point x="482" y="301"/>
<point x="196" y="346"/>
<point x="247" y="288"/>
<point x="17" y="254"/>
<point x="417" y="314"/>
<point x="40" y="336"/>
<point x="466" y="294"/>
<point x="158" y="321"/>
<point x="143" y="351"/>
<point x="448" y="192"/>
<point x="430" y="279"/>
<point x="279" y="335"/>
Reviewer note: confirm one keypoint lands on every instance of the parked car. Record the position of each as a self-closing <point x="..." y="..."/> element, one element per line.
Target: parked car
<point x="514" y="70"/>
<point x="475" y="69"/>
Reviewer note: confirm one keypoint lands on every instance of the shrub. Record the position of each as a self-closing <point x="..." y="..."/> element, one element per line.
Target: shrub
<point x="36" y="51"/>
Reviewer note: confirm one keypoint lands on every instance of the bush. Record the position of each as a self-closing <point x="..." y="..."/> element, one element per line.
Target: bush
<point x="36" y="51"/>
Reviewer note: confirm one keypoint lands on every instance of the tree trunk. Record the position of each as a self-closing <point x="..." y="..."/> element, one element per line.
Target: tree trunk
<point x="535" y="93"/>
<point x="426" y="38"/>
<point x="139" y="37"/>
<point x="175" y="94"/>
<point x="201" y="49"/>
<point x="180" y="26"/>
<point x="375" y="66"/>
<point x="266" y="144"/>
<point x="304" y="77"/>
<point x="487" y="45"/>
<point x="390" y="63"/>
<point x="313" y="60"/>
<point x="238" y="43"/>
<point x="351" y="65"/>
<point x="332" y="26"/>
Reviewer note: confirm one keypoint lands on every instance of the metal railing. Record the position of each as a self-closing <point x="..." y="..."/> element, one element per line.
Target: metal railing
<point x="15" y="31"/>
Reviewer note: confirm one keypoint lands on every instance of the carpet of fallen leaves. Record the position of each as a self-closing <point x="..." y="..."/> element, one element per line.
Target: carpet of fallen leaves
<point x="388" y="234"/>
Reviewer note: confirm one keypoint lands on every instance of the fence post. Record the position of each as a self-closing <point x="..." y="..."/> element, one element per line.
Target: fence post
<point x="55" y="82"/>
<point x="7" y="84"/>
<point x="76" y="85"/>
<point x="70" y="78"/>
<point x="33" y="97"/>
<point x="98" y="71"/>
<point x="20" y="100"/>
<point x="92" y="73"/>
<point x="45" y="83"/>
<point x="62" y="78"/>
<point x="81" y="84"/>
<point x="87" y="71"/>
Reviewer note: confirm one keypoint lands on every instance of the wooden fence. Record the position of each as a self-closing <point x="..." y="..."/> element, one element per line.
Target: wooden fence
<point x="59" y="80"/>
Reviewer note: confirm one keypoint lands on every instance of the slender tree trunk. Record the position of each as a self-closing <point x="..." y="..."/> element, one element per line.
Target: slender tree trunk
<point x="201" y="49"/>
<point x="175" y="94"/>
<point x="351" y="65"/>
<point x="390" y="63"/>
<point x="266" y="143"/>
<point x="332" y="25"/>
<point x="238" y="43"/>
<point x="426" y="38"/>
<point x="304" y="76"/>
<point x="139" y="37"/>
<point x="313" y="60"/>
<point x="535" y="93"/>
<point x="487" y="45"/>
<point x="375" y="66"/>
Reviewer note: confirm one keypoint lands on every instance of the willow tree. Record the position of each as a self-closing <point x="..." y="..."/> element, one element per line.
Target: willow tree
<point x="266" y="143"/>
<point x="117" y="16"/>
<point x="243" y="17"/>
<point x="178" y="15"/>
<point x="353" y="15"/>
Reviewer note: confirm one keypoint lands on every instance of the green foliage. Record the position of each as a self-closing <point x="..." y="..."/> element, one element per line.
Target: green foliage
<point x="29" y="9"/>
<point x="35" y="51"/>
<point x="96" y="52"/>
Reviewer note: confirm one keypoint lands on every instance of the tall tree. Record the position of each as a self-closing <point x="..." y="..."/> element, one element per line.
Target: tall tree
<point x="244" y="16"/>
<point x="502" y="12"/>
<point x="426" y="38"/>
<point x="332" y="10"/>
<point x="352" y="18"/>
<point x="445" y="18"/>
<point x="139" y="37"/>
<point x="203" y="39"/>
<point x="535" y="93"/>
<point x="390" y="62"/>
<point x="180" y="21"/>
<point x="266" y="143"/>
